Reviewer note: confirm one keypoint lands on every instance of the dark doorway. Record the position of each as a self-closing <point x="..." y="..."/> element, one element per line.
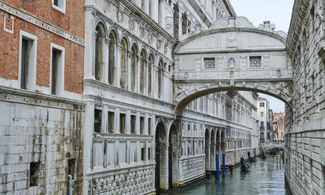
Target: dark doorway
<point x="160" y="156"/>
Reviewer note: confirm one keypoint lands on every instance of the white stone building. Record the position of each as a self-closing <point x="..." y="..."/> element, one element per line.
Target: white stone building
<point x="132" y="135"/>
<point x="263" y="117"/>
<point x="116" y="129"/>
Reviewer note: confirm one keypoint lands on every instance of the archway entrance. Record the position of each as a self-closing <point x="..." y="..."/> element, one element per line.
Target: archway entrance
<point x="207" y="154"/>
<point x="173" y="158"/>
<point x="160" y="158"/>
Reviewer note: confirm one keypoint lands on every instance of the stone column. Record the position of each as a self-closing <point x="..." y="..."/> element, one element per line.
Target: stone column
<point x="146" y="124"/>
<point x="155" y="78"/>
<point x="162" y="17"/>
<point x="116" y="121"/>
<point x="128" y="122"/>
<point x="129" y="61"/>
<point x="105" y="59"/>
<point x="137" y="124"/>
<point x="155" y="11"/>
<point x="89" y="126"/>
<point x="104" y="121"/>
<point x="117" y="65"/>
<point x="164" y="166"/>
<point x="209" y="154"/>
<point x="137" y="74"/>
<point x="90" y="44"/>
<point x="146" y="78"/>
<point x="146" y="5"/>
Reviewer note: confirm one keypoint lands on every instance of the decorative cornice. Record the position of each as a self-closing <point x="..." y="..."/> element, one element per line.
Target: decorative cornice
<point x="297" y="20"/>
<point x="143" y="16"/>
<point x="229" y="8"/>
<point x="200" y="12"/>
<point x="40" y="23"/>
<point x="223" y="30"/>
<point x="39" y="97"/>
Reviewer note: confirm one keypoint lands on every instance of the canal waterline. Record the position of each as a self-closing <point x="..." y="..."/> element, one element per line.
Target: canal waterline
<point x="265" y="177"/>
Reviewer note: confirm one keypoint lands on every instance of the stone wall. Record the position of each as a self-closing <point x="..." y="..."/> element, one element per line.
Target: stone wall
<point x="305" y="138"/>
<point x="40" y="139"/>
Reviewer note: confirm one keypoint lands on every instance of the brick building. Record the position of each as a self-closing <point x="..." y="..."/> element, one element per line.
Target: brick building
<point x="41" y="72"/>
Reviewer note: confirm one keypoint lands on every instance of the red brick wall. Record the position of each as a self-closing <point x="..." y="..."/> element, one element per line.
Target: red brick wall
<point x="72" y="21"/>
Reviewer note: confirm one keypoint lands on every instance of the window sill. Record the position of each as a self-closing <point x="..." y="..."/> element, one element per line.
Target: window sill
<point x="59" y="9"/>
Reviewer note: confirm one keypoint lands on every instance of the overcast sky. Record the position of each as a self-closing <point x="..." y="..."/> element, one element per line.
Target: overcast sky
<point x="257" y="11"/>
<point x="276" y="11"/>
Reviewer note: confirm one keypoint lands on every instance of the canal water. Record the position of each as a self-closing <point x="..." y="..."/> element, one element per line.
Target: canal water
<point x="265" y="177"/>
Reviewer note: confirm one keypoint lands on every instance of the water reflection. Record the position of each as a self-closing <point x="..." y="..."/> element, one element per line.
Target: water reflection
<point x="265" y="177"/>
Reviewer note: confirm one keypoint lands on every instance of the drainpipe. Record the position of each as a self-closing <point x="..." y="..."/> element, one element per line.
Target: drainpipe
<point x="69" y="184"/>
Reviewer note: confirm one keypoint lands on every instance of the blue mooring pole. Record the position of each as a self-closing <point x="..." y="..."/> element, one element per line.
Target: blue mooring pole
<point x="217" y="166"/>
<point x="223" y="164"/>
<point x="69" y="184"/>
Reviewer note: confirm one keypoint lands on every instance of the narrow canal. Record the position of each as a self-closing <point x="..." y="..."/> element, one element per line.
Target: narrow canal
<point x="265" y="177"/>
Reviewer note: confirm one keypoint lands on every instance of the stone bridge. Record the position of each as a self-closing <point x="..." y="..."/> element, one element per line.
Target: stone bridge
<point x="270" y="146"/>
<point x="233" y="55"/>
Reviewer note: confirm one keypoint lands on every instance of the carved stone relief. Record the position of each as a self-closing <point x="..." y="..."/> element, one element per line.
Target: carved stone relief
<point x="231" y="40"/>
<point x="119" y="16"/>
<point x="131" y="24"/>
<point x="231" y="62"/>
<point x="131" y="182"/>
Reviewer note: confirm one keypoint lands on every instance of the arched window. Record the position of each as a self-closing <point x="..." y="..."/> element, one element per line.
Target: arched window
<point x="142" y="70"/>
<point x="112" y="54"/>
<point x="150" y="65"/>
<point x="100" y="38"/>
<point x="123" y="69"/>
<point x="133" y="66"/>
<point x="160" y="75"/>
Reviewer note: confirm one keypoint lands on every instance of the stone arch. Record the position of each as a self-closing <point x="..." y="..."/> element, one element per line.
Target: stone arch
<point x="112" y="60"/>
<point x="124" y="63"/>
<point x="207" y="149"/>
<point x="143" y="61"/>
<point x="161" y="179"/>
<point x="233" y="55"/>
<point x="185" y="96"/>
<point x="151" y="62"/>
<point x="99" y="50"/>
<point x="160" y="77"/>
<point x="134" y="62"/>
<point x="173" y="156"/>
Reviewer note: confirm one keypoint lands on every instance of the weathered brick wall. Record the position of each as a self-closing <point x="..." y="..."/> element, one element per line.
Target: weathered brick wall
<point x="43" y="130"/>
<point x="305" y="138"/>
<point x="70" y="21"/>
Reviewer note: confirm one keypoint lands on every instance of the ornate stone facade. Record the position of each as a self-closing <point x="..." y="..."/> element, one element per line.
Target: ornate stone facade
<point x="111" y="122"/>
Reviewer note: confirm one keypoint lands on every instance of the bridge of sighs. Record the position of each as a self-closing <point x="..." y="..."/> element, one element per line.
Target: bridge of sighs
<point x="233" y="55"/>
